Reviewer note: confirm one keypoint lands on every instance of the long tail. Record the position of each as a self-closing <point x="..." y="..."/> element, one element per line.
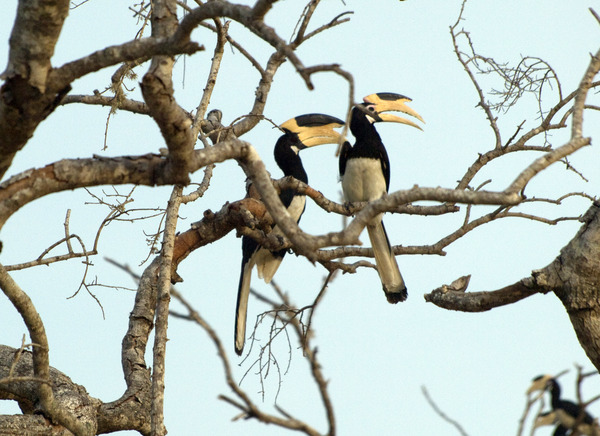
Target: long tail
<point x="241" y="309"/>
<point x="389" y="273"/>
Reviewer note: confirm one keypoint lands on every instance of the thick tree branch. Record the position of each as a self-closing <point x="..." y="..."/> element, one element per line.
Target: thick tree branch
<point x="261" y="7"/>
<point x="157" y="88"/>
<point x="68" y="174"/>
<point x="448" y="298"/>
<point x="574" y="276"/>
<point x="116" y="54"/>
<point x="162" y="314"/>
<point x="34" y="35"/>
<point x="581" y="96"/>
<point x="17" y="382"/>
<point x="133" y="349"/>
<point x="33" y="90"/>
<point x="543" y="162"/>
<point x="52" y="407"/>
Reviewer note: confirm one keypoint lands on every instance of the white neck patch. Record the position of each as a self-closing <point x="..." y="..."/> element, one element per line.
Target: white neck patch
<point x="370" y="119"/>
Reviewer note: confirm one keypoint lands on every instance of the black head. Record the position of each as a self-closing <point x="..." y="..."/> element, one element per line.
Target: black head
<point x="287" y="146"/>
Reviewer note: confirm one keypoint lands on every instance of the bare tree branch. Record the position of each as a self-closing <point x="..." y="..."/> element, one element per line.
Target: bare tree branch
<point x="41" y="363"/>
<point x="136" y="107"/>
<point x="448" y="298"/>
<point x="442" y="415"/>
<point x="162" y="314"/>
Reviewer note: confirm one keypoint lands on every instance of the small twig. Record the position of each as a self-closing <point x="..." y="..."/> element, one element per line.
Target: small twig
<point x="316" y="302"/>
<point x="441" y="413"/>
<point x="595" y="14"/>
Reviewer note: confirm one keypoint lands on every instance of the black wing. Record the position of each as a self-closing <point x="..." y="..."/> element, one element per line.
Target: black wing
<point x="344" y="154"/>
<point x="385" y="166"/>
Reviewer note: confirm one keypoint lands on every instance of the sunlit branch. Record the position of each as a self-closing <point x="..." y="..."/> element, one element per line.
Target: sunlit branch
<point x="162" y="312"/>
<point x="117" y="54"/>
<point x="133" y="106"/>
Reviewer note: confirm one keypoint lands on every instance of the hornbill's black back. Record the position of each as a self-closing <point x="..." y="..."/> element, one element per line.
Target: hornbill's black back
<point x="299" y="133"/>
<point x="567" y="412"/>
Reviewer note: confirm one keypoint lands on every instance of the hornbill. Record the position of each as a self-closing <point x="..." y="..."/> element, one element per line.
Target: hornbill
<point x="300" y="132"/>
<point x="567" y="413"/>
<point x="365" y="173"/>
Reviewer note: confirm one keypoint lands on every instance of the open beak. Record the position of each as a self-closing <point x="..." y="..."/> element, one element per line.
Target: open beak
<point x="314" y="129"/>
<point x="388" y="101"/>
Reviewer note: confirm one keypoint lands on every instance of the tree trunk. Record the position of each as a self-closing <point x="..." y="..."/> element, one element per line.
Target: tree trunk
<point x="574" y="276"/>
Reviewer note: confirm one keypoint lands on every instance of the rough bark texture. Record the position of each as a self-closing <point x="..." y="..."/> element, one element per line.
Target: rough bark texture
<point x="578" y="268"/>
<point x="70" y="396"/>
<point x="32" y="90"/>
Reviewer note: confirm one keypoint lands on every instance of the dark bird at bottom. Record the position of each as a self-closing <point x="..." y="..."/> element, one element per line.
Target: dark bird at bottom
<point x="300" y="132"/>
<point x="567" y="414"/>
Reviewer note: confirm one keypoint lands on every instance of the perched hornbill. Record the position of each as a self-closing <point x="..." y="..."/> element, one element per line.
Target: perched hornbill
<point x="567" y="413"/>
<point x="300" y="132"/>
<point x="365" y="172"/>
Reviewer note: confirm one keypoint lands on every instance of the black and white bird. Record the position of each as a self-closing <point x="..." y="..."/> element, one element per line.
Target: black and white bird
<point x="365" y="173"/>
<point x="568" y="415"/>
<point x="299" y="133"/>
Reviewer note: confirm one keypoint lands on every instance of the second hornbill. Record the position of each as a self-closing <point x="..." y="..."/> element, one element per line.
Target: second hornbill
<point x="365" y="173"/>
<point x="568" y="414"/>
<point x="300" y="132"/>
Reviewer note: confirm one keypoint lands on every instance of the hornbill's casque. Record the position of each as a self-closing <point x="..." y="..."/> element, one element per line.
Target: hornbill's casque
<point x="300" y="132"/>
<point x="566" y="412"/>
<point x="365" y="173"/>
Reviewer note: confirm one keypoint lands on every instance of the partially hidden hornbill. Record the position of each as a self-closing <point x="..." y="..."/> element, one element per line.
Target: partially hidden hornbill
<point x="299" y="133"/>
<point x="567" y="414"/>
<point x="365" y="173"/>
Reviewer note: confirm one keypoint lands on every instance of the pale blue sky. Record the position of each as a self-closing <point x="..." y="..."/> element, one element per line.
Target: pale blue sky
<point x="376" y="356"/>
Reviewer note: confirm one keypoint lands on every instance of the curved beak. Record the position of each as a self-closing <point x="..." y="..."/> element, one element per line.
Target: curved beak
<point x="548" y="418"/>
<point x="388" y="101"/>
<point x="538" y="384"/>
<point x="314" y="129"/>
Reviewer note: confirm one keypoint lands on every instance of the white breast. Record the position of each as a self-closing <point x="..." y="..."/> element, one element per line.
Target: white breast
<point x="296" y="208"/>
<point x="363" y="180"/>
<point x="266" y="263"/>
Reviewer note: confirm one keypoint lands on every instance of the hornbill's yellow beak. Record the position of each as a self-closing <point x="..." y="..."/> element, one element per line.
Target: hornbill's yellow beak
<point x="388" y="101"/>
<point x="548" y="418"/>
<point x="314" y="129"/>
<point x="539" y="384"/>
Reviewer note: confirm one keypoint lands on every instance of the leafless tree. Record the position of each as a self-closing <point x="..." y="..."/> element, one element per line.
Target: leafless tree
<point x="196" y="141"/>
